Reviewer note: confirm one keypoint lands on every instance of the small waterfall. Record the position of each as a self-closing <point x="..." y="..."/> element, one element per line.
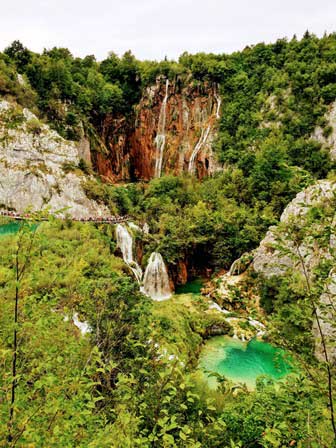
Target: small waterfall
<point x="160" y="139"/>
<point x="125" y="244"/>
<point x="134" y="226"/>
<point x="145" y="229"/>
<point x="156" y="280"/>
<point x="219" y="103"/>
<point x="234" y="267"/>
<point x="83" y="327"/>
<point x="202" y="140"/>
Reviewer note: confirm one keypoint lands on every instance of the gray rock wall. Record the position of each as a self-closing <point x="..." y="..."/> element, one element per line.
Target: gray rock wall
<point x="38" y="167"/>
<point x="269" y="261"/>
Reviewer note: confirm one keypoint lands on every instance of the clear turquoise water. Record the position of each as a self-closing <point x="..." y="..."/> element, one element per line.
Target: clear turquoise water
<point x="193" y="287"/>
<point x="13" y="227"/>
<point x="243" y="362"/>
<point x="10" y="228"/>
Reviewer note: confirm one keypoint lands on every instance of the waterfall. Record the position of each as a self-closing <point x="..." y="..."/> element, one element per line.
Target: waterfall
<point x="156" y="280"/>
<point x="83" y="327"/>
<point x="125" y="244"/>
<point x="219" y="103"/>
<point x="134" y="226"/>
<point x="160" y="139"/>
<point x="234" y="267"/>
<point x="202" y="140"/>
<point x="145" y="229"/>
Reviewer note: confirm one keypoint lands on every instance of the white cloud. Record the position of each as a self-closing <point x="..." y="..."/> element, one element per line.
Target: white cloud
<point x="153" y="29"/>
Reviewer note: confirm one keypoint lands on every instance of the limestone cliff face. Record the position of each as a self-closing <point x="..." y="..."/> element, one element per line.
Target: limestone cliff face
<point x="173" y="131"/>
<point x="328" y="141"/>
<point x="38" y="167"/>
<point x="269" y="261"/>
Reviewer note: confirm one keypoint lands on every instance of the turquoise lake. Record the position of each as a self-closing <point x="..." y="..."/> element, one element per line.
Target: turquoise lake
<point x="10" y="228"/>
<point x="243" y="362"/>
<point x="13" y="227"/>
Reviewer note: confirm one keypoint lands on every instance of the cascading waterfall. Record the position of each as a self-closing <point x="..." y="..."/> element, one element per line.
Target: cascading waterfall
<point x="134" y="226"/>
<point x="219" y="103"/>
<point x="145" y="229"/>
<point x="83" y="327"/>
<point x="202" y="140"/>
<point x="234" y="267"/>
<point x="160" y="139"/>
<point x="156" y="280"/>
<point x="125" y="244"/>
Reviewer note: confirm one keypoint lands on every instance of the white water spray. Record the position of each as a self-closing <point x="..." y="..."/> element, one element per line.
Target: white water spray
<point x="83" y="327"/>
<point x="201" y="142"/>
<point x="234" y="267"/>
<point x="160" y="139"/>
<point x="125" y="243"/>
<point x="156" y="280"/>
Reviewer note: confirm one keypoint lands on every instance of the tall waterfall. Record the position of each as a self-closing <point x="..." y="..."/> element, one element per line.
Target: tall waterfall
<point x="125" y="243"/>
<point x="219" y="103"/>
<point x="160" y="139"/>
<point x="156" y="280"/>
<point x="202" y="140"/>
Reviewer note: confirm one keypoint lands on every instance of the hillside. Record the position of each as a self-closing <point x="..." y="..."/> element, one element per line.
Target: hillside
<point x="224" y="168"/>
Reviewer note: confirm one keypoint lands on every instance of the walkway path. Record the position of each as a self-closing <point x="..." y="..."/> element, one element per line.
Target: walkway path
<point x="100" y="219"/>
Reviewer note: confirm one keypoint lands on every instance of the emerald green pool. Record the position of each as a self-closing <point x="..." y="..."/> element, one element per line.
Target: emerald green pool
<point x="242" y="362"/>
<point x="193" y="287"/>
<point x="13" y="227"/>
<point x="9" y="228"/>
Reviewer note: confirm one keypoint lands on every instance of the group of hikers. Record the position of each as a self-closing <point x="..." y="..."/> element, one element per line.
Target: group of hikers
<point x="14" y="215"/>
<point x="108" y="219"/>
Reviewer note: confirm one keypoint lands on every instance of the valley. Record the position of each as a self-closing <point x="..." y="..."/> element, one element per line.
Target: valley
<point x="167" y="246"/>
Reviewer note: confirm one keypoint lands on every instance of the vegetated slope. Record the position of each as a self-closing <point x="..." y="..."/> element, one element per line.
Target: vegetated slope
<point x="274" y="135"/>
<point x="116" y="386"/>
<point x="273" y="98"/>
<point x="275" y="103"/>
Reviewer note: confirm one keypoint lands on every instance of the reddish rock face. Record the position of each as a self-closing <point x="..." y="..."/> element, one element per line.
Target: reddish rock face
<point x="113" y="164"/>
<point x="182" y="273"/>
<point x="173" y="132"/>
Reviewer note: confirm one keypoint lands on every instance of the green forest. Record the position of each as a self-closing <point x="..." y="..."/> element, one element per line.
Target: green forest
<point x="133" y="380"/>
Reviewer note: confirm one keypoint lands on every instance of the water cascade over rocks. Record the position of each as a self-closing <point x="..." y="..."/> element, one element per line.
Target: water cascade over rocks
<point x="156" y="280"/>
<point x="160" y="139"/>
<point x="125" y="244"/>
<point x="219" y="103"/>
<point x="83" y="327"/>
<point x="201" y="142"/>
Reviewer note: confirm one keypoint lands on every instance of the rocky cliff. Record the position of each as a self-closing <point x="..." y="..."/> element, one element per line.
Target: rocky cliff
<point x="172" y="131"/>
<point x="304" y="240"/>
<point x="38" y="168"/>
<point x="327" y="137"/>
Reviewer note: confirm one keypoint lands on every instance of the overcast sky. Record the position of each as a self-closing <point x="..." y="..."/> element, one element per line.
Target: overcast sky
<point x="153" y="29"/>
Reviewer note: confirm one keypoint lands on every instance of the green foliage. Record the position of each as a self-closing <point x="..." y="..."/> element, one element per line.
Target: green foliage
<point x="117" y="199"/>
<point x="210" y="224"/>
<point x="117" y="386"/>
<point x="273" y="417"/>
<point x="34" y="126"/>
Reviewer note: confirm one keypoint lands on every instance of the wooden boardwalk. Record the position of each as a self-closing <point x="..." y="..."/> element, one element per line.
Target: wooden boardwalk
<point x="97" y="219"/>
